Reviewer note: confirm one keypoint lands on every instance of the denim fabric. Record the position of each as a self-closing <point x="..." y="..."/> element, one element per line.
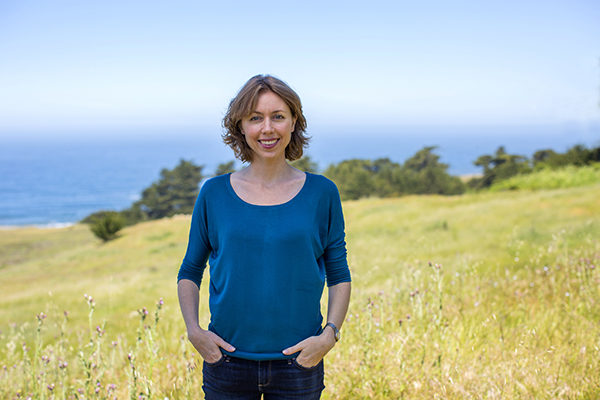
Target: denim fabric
<point x="235" y="378"/>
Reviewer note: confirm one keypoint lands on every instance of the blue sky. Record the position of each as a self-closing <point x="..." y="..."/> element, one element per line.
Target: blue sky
<point x="82" y="64"/>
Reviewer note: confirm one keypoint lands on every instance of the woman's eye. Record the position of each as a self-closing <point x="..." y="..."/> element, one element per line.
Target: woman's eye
<point x="278" y="116"/>
<point x="254" y="118"/>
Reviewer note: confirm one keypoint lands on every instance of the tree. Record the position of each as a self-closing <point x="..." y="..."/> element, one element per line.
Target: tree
<point x="106" y="225"/>
<point x="354" y="178"/>
<point x="499" y="166"/>
<point x="225" y="168"/>
<point x="174" y="193"/>
<point x="306" y="164"/>
<point x="425" y="174"/>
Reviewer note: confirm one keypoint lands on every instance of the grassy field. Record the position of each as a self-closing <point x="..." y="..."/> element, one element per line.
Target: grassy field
<point x="487" y="295"/>
<point x="569" y="176"/>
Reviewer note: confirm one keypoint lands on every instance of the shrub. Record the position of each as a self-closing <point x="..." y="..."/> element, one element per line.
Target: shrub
<point x="107" y="225"/>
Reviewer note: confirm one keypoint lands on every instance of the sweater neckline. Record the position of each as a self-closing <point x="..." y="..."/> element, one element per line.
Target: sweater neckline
<point x="239" y="199"/>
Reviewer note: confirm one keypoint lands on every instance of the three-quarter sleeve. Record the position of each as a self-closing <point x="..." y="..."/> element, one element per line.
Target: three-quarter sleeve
<point x="336" y="263"/>
<point x="198" y="249"/>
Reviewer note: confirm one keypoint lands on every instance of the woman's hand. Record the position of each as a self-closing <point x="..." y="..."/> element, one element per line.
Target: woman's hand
<point x="207" y="343"/>
<point x="312" y="349"/>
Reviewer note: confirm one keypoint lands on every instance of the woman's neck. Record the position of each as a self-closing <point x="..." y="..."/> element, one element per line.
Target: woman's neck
<point x="269" y="172"/>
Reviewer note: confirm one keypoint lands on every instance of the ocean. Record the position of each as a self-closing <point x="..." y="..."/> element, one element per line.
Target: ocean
<point x="50" y="179"/>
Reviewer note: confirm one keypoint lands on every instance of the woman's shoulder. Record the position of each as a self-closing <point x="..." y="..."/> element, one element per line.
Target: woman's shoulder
<point x="216" y="184"/>
<point x="322" y="183"/>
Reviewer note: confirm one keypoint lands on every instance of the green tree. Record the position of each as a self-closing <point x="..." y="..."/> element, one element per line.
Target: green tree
<point x="388" y="178"/>
<point x="425" y="174"/>
<point x="306" y="164"/>
<point x="422" y="173"/>
<point x="499" y="166"/>
<point x="174" y="193"/>
<point x="225" y="168"/>
<point x="354" y="178"/>
<point x="106" y="224"/>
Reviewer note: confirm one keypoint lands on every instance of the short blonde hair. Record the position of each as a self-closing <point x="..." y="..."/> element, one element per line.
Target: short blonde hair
<point x="244" y="103"/>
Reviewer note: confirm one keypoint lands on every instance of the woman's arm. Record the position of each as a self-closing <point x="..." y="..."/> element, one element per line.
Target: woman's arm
<point x="313" y="349"/>
<point x="207" y="343"/>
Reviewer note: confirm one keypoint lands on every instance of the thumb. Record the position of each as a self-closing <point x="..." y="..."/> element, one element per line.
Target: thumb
<point x="224" y="345"/>
<point x="294" y="349"/>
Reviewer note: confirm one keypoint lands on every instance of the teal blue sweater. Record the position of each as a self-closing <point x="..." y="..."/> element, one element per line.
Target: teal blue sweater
<point x="268" y="264"/>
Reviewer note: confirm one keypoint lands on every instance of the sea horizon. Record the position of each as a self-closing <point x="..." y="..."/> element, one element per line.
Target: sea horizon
<point x="51" y="179"/>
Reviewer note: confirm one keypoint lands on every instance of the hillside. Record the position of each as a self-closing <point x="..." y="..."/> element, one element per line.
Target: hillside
<point x="507" y="308"/>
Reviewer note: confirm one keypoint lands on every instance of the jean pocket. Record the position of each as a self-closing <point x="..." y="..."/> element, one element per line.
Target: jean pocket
<point x="303" y="368"/>
<point x="216" y="363"/>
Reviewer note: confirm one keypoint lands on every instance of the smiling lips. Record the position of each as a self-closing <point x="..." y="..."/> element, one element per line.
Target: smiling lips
<point x="268" y="143"/>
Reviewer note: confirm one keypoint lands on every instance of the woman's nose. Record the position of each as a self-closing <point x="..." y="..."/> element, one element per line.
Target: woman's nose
<point x="267" y="126"/>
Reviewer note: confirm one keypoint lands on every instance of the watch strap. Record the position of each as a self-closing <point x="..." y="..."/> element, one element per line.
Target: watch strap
<point x="336" y="331"/>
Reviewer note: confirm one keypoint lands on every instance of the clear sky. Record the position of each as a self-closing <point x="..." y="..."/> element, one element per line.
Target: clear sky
<point x="368" y="63"/>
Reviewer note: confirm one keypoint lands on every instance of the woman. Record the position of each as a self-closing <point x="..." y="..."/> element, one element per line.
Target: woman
<point x="273" y="235"/>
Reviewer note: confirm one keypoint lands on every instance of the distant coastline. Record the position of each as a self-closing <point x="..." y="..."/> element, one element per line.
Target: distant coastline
<point x="57" y="180"/>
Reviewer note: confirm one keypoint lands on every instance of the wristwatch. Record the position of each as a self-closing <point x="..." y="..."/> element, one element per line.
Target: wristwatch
<point x="336" y="331"/>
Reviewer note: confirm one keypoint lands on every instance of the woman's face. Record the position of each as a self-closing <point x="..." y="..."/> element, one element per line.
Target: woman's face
<point x="268" y="128"/>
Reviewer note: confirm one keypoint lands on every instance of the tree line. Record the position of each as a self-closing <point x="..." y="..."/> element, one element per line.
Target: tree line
<point x="176" y="190"/>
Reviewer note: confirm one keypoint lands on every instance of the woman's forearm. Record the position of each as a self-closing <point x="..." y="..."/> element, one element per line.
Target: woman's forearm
<point x="337" y="305"/>
<point x="189" y="299"/>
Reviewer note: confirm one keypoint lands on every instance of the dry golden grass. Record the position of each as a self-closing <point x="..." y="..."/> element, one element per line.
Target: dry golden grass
<point x="508" y="308"/>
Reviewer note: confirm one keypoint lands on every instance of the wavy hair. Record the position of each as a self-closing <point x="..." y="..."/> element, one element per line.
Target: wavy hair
<point x="244" y="103"/>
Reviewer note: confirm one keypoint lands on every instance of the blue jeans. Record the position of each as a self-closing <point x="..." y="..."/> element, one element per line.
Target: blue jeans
<point x="235" y="378"/>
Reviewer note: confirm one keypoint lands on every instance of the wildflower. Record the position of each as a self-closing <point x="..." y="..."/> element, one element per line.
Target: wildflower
<point x="41" y="316"/>
<point x="130" y="356"/>
<point x="115" y="343"/>
<point x="80" y="391"/>
<point x="51" y="387"/>
<point x="99" y="330"/>
<point x="90" y="300"/>
<point x="111" y="387"/>
<point x="63" y="365"/>
<point x="407" y="316"/>
<point x="160" y="303"/>
<point x="143" y="313"/>
<point x="568" y="294"/>
<point x="399" y="322"/>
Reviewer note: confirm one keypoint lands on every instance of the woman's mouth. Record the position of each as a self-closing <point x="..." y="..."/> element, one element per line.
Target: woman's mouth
<point x="268" y="143"/>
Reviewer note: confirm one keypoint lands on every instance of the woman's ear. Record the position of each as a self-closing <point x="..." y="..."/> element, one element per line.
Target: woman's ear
<point x="294" y="124"/>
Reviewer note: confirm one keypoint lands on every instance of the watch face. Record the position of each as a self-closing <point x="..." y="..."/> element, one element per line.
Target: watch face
<point x="337" y="336"/>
